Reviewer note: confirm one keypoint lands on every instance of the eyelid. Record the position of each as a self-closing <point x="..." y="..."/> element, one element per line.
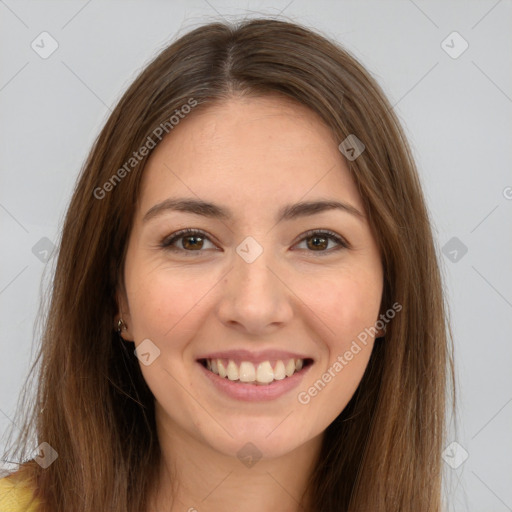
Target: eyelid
<point x="170" y="239"/>
<point x="343" y="243"/>
<point x="167" y="242"/>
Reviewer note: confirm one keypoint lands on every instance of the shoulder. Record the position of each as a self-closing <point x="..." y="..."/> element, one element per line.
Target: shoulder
<point x="16" y="496"/>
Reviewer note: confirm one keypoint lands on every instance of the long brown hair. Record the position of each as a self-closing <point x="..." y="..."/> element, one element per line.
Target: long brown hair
<point x="383" y="452"/>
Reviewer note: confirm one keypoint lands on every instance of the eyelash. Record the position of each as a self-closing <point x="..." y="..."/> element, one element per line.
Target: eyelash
<point x="168" y="241"/>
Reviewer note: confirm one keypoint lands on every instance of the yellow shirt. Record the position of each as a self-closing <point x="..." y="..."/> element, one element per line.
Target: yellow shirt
<point x="15" y="497"/>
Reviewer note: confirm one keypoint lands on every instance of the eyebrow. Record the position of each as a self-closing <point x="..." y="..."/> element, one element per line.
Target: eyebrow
<point x="211" y="210"/>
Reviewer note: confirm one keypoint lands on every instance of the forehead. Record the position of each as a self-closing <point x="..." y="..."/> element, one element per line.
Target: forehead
<point x="247" y="151"/>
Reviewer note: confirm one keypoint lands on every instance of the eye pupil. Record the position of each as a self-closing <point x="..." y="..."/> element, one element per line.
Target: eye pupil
<point x="315" y="244"/>
<point x="186" y="245"/>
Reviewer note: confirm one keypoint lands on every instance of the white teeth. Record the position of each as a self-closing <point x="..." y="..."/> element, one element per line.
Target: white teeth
<point x="232" y="370"/>
<point x="290" y="368"/>
<point x="222" y="370"/>
<point x="279" y="371"/>
<point x="263" y="373"/>
<point x="247" y="372"/>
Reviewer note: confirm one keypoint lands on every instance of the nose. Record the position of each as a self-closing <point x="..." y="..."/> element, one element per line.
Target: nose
<point x="256" y="299"/>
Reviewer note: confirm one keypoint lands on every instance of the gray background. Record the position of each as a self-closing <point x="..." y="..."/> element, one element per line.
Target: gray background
<point x="456" y="113"/>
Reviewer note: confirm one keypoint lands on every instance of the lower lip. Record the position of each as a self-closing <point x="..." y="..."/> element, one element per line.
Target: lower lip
<point x="255" y="392"/>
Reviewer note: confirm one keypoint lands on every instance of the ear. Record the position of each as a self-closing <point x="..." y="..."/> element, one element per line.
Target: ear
<point x="124" y="314"/>
<point x="381" y="332"/>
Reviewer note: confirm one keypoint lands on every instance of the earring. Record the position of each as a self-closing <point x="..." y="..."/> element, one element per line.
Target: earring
<point x="120" y="326"/>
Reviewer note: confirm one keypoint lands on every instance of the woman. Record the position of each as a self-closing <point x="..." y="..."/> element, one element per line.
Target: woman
<point x="247" y="311"/>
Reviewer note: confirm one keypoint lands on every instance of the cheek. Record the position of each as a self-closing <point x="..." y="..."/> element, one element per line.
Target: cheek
<point x="345" y="305"/>
<point x="162" y="300"/>
<point x="346" y="311"/>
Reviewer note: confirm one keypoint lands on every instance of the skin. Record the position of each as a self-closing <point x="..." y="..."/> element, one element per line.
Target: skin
<point x="251" y="155"/>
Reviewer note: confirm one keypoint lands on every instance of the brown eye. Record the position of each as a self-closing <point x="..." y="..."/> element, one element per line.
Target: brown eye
<point x="318" y="241"/>
<point x="192" y="240"/>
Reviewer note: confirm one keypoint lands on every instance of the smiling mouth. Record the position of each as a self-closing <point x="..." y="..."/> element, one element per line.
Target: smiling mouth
<point x="264" y="373"/>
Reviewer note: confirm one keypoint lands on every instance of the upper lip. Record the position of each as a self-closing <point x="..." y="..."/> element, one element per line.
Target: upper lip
<point x="254" y="357"/>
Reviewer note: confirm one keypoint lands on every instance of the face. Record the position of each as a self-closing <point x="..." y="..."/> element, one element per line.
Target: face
<point x="265" y="285"/>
